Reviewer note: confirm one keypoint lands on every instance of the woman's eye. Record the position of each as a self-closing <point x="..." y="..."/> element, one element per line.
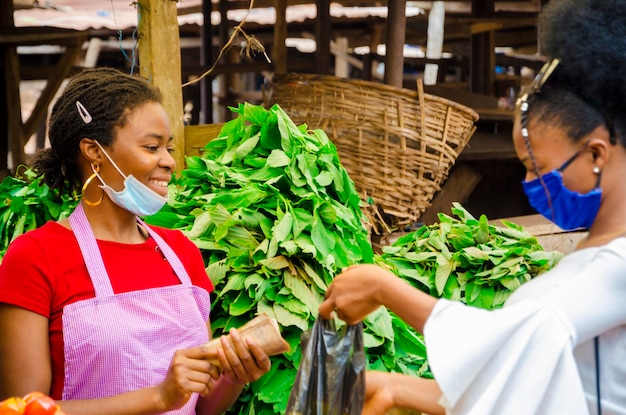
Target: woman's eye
<point x="170" y="150"/>
<point x="152" y="148"/>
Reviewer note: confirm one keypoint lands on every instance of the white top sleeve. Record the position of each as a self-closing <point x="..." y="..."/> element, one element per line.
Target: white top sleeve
<point x="517" y="360"/>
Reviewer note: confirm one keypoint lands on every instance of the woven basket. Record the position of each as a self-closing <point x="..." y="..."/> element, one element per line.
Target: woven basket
<point x="398" y="145"/>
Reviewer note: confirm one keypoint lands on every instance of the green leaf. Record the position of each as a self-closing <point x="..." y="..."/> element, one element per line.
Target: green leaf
<point x="242" y="304"/>
<point x="444" y="269"/>
<point x="379" y="321"/>
<point x="301" y="292"/>
<point x="277" y="158"/>
<point x="286" y="318"/>
<point x="275" y="263"/>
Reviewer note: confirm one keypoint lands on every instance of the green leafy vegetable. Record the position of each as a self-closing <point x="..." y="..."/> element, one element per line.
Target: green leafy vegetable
<point x="468" y="259"/>
<point x="276" y="217"/>
<point x="26" y="203"/>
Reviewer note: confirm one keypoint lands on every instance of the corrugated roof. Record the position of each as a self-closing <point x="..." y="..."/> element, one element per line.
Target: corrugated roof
<point x="122" y="15"/>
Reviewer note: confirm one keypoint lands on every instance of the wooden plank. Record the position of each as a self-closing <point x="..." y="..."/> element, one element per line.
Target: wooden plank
<point x="159" y="61"/>
<point x="457" y="188"/>
<point x="197" y="136"/>
<point x="31" y="36"/>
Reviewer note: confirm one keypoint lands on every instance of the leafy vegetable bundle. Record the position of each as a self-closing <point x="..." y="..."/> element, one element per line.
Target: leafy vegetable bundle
<point x="468" y="259"/>
<point x="276" y="217"/>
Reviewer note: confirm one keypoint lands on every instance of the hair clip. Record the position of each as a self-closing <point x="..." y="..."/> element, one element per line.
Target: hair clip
<point x="84" y="114"/>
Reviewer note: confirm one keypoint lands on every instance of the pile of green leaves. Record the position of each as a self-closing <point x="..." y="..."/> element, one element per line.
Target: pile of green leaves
<point x="276" y="217"/>
<point x="27" y="204"/>
<point x="468" y="259"/>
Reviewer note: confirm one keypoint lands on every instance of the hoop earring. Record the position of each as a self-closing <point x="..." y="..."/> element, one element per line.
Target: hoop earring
<point x="96" y="168"/>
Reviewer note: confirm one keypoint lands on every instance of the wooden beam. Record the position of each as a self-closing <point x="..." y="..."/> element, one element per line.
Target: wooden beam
<point x="457" y="188"/>
<point x="159" y="62"/>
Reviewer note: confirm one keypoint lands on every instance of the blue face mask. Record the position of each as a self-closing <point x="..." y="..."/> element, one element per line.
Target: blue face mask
<point x="569" y="210"/>
<point x="136" y="197"/>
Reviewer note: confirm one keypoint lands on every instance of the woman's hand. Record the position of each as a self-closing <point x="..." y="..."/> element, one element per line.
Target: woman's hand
<point x="189" y="372"/>
<point x="378" y="396"/>
<point x="242" y="360"/>
<point x="384" y="391"/>
<point x="356" y="292"/>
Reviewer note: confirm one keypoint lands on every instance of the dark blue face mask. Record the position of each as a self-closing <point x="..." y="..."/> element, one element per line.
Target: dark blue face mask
<point x="567" y="209"/>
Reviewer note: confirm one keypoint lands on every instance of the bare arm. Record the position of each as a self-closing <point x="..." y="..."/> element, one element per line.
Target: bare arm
<point x="385" y="391"/>
<point x="363" y="288"/>
<point x="24" y="352"/>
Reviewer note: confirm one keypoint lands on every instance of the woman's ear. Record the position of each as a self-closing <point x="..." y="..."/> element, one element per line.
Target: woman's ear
<point x="90" y="150"/>
<point x="600" y="151"/>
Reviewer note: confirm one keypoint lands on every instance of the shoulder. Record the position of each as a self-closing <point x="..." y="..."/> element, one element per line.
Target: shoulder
<point x="48" y="237"/>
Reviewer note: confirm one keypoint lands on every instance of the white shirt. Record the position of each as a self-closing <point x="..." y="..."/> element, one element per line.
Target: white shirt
<point x="536" y="354"/>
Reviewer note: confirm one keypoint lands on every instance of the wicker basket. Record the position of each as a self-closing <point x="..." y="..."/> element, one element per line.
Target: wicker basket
<point x="398" y="145"/>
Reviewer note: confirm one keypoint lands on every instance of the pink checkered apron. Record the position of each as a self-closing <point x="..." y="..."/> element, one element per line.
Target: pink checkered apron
<point x="116" y="343"/>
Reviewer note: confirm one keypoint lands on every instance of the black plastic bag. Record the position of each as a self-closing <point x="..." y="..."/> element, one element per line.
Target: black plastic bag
<point x="331" y="376"/>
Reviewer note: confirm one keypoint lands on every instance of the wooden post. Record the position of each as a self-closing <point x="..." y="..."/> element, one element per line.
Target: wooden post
<point x="159" y="62"/>
<point x="396" y="33"/>
<point x="483" y="58"/>
<point x="11" y="102"/>
<point x="206" y="60"/>
<point x="279" y="50"/>
<point x="322" y="37"/>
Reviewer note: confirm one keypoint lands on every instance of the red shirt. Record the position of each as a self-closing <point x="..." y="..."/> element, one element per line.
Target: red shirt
<point x="43" y="271"/>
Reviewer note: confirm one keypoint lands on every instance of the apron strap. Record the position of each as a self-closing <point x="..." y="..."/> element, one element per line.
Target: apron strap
<point x="169" y="254"/>
<point x="93" y="258"/>
<point x="91" y="252"/>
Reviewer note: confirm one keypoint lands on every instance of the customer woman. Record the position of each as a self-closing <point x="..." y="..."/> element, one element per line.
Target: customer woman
<point x="558" y="346"/>
<point x="100" y="311"/>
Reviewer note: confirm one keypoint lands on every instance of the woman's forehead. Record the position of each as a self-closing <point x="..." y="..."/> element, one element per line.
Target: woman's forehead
<point x="544" y="137"/>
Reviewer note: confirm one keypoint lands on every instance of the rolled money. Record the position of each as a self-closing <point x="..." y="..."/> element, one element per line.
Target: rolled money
<point x="263" y="330"/>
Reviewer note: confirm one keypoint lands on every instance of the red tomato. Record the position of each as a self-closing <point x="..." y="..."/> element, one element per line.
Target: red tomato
<point x="12" y="406"/>
<point x="38" y="403"/>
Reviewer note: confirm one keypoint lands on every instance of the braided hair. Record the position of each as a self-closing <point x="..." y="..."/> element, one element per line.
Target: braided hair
<point x="94" y="103"/>
<point x="587" y="89"/>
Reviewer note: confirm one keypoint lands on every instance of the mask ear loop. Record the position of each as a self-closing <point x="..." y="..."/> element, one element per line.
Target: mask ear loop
<point x="524" y="130"/>
<point x="96" y="168"/>
<point x="111" y="160"/>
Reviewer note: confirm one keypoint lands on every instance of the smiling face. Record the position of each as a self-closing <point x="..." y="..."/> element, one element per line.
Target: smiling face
<point x="141" y="147"/>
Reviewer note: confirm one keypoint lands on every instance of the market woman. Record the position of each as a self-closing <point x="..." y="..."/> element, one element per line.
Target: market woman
<point x="558" y="346"/>
<point x="100" y="311"/>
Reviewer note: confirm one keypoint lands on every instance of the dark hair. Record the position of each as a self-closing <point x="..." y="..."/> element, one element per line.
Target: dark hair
<point x="587" y="89"/>
<point x="108" y="96"/>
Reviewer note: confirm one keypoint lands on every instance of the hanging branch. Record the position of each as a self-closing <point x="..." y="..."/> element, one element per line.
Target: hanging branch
<point x="250" y="47"/>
